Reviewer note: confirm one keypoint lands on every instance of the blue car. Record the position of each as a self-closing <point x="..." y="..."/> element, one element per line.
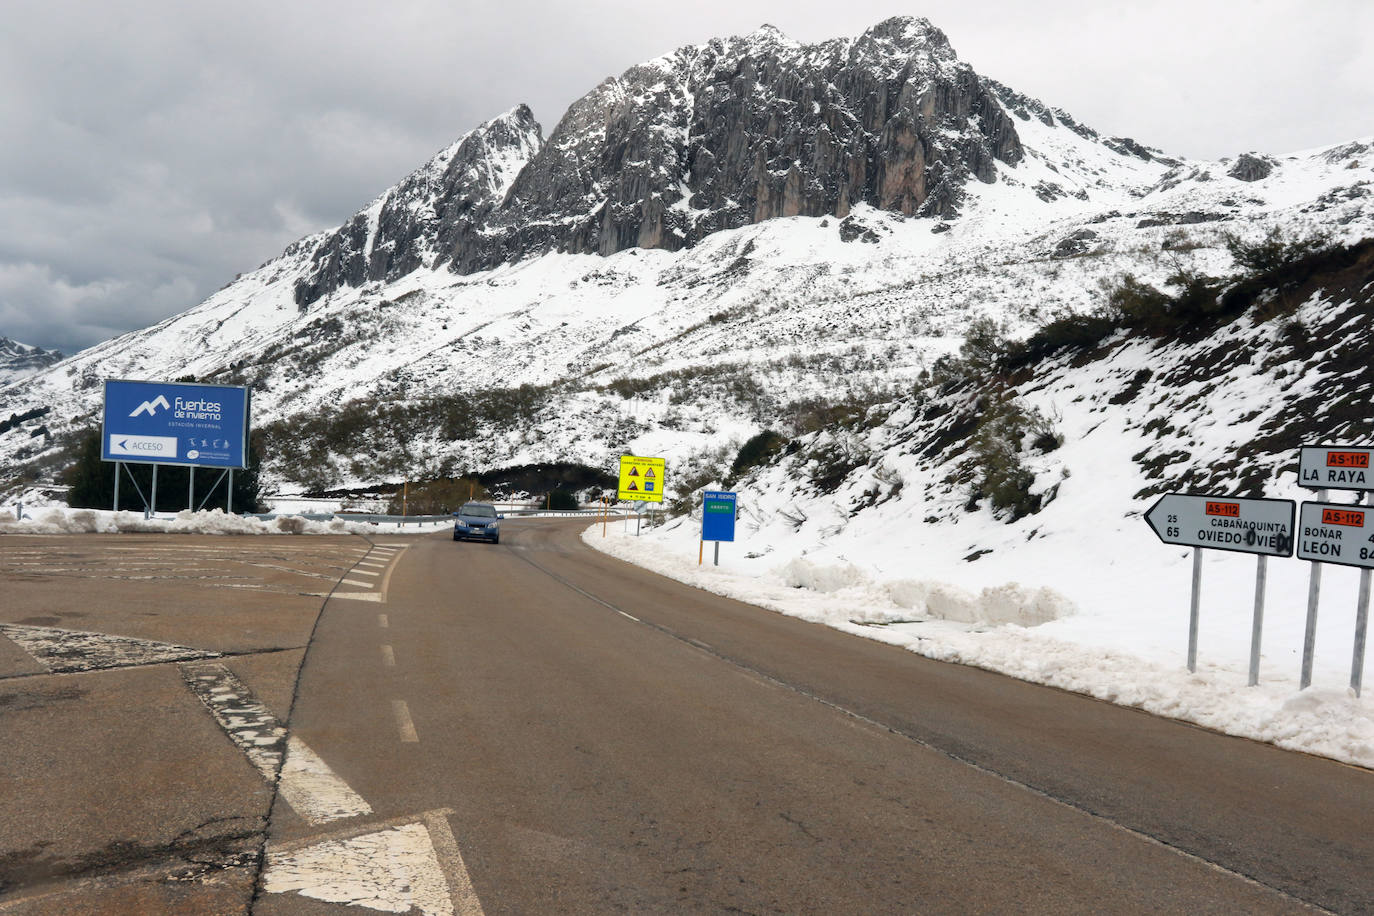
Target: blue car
<point x="477" y="522"/>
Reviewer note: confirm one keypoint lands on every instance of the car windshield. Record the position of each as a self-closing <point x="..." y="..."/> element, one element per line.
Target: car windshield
<point x="478" y="511"/>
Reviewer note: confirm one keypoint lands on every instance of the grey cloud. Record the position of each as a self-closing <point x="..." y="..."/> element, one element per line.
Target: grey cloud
<point x="167" y="146"/>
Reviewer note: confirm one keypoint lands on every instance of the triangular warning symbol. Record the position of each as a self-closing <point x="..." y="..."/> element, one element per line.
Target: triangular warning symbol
<point x="649" y="472"/>
<point x="634" y="472"/>
<point x="632" y="486"/>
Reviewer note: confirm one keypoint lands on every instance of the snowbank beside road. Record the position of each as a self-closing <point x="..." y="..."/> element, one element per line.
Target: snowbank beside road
<point x="1003" y="629"/>
<point x="95" y="521"/>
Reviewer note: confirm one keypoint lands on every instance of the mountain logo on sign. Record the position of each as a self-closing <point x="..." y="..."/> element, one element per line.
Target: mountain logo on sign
<point x="150" y="407"/>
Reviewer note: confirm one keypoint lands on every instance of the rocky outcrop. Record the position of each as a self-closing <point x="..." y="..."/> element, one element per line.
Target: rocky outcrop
<point x="428" y="212"/>
<point x="747" y="129"/>
<point x="1251" y="168"/>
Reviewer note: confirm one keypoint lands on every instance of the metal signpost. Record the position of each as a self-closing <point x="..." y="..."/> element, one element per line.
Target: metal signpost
<point x="175" y="423"/>
<point x="1258" y="526"/>
<point x="718" y="510"/>
<point x="1339" y="534"/>
<point x="641" y="480"/>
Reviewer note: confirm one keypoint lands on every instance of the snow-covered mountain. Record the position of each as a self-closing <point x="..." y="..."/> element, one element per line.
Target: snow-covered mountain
<point x="729" y="237"/>
<point x="18" y="360"/>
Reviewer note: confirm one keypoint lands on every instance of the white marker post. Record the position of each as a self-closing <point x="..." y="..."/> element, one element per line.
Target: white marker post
<point x="1309" y="638"/>
<point x="1244" y="525"/>
<point x="1361" y="623"/>
<point x="1196" y="606"/>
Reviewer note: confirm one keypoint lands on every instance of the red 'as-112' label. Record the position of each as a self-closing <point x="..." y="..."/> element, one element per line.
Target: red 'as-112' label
<point x="1347" y="459"/>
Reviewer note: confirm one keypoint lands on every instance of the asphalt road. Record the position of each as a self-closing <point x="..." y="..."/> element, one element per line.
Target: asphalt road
<point x="537" y="728"/>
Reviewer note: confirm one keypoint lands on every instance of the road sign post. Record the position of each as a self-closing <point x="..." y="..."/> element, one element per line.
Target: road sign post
<point x="1341" y="534"/>
<point x="1259" y="526"/>
<point x="1323" y="468"/>
<point x="1309" y="636"/>
<point x="1193" y="614"/>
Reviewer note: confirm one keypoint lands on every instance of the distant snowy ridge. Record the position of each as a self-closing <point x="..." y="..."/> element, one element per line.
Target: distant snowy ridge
<point x="18" y="360"/>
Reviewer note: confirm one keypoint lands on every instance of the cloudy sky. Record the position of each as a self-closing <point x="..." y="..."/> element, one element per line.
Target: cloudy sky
<point x="152" y="149"/>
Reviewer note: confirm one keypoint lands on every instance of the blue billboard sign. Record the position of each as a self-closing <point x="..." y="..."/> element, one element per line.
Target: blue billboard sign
<point x="717" y="516"/>
<point x="175" y="423"/>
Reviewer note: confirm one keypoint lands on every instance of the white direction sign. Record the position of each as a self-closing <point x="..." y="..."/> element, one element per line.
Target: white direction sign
<point x="1336" y="467"/>
<point x="1329" y="533"/>
<point x="1262" y="526"/>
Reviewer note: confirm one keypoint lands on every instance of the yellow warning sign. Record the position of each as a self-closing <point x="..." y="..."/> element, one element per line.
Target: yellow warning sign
<point x="642" y="478"/>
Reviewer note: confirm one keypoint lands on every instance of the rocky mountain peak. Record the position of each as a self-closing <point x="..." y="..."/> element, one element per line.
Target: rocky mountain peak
<point x="909" y="34"/>
<point x="706" y="138"/>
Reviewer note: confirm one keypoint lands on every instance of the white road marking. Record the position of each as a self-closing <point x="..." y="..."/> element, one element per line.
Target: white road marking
<point x="404" y="722"/>
<point x="383" y="621"/>
<point x="402" y="867"/>
<point x="304" y="780"/>
<point x="460" y="888"/>
<point x="63" y="651"/>
<point x="362" y="596"/>
<point x="363" y="572"/>
<point x="314" y="790"/>
<point x="372" y="563"/>
<point x="631" y="616"/>
<point x="357" y="582"/>
<point x="388" y="657"/>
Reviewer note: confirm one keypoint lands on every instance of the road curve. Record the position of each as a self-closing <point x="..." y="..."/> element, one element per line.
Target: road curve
<point x="601" y="739"/>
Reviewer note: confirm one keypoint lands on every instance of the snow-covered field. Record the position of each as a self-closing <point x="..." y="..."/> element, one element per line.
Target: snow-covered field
<point x="1087" y="617"/>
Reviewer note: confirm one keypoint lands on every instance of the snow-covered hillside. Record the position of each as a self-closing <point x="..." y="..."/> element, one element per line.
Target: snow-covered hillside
<point x="373" y="357"/>
<point x="882" y="526"/>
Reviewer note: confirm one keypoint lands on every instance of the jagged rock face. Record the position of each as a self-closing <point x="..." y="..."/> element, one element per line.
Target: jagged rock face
<point x="426" y="213"/>
<point x="734" y="132"/>
<point x="710" y="137"/>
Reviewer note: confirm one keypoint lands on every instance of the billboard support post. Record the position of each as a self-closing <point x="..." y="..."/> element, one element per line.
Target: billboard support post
<point x="229" y="497"/>
<point x="152" y="509"/>
<point x="211" y="491"/>
<point x="119" y="467"/>
<point x="191" y="488"/>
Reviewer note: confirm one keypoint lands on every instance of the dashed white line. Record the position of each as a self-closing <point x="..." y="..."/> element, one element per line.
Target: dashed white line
<point x="630" y="616"/>
<point x="383" y="621"/>
<point x="388" y="657"/>
<point x="403" y="722"/>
